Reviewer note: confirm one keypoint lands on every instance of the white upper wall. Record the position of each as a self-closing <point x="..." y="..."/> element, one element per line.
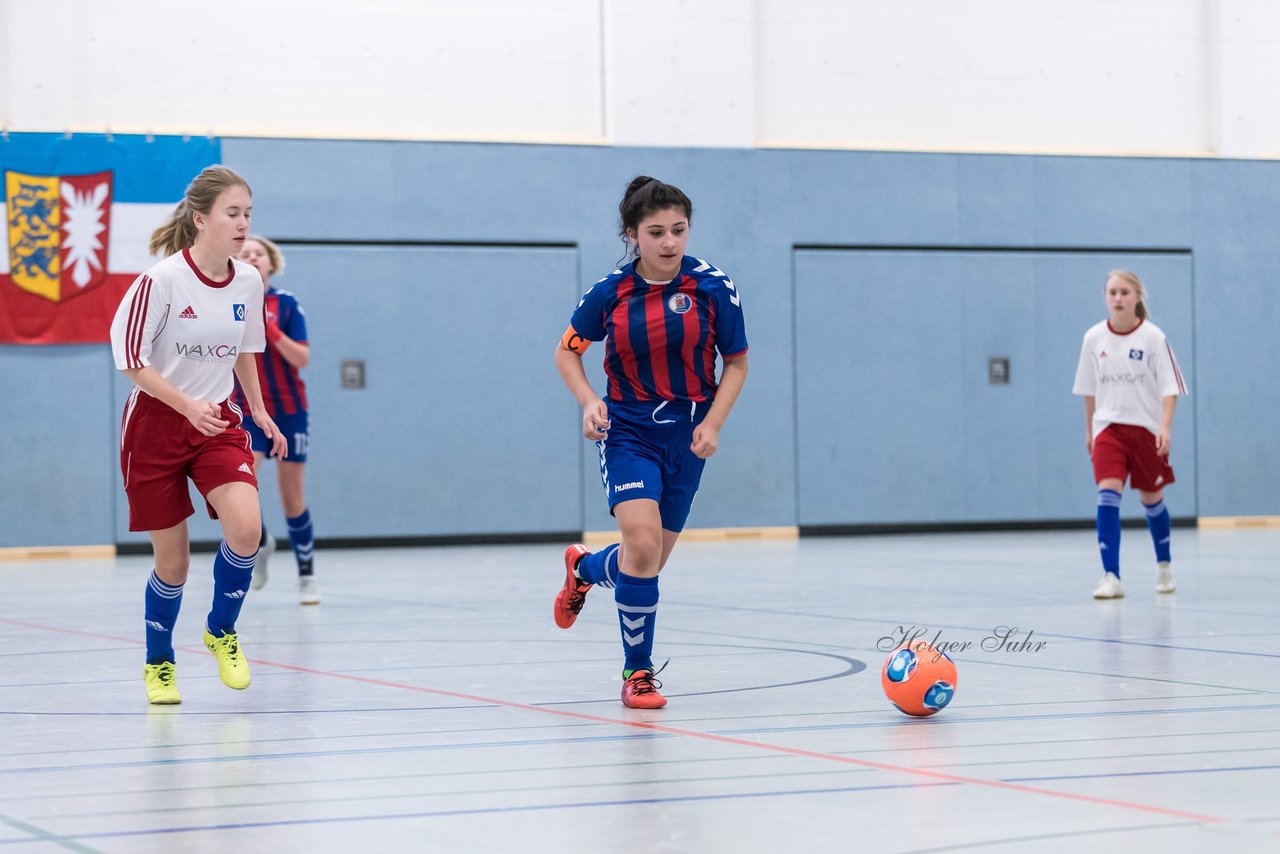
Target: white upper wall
<point x="1165" y="77"/>
<point x="397" y="69"/>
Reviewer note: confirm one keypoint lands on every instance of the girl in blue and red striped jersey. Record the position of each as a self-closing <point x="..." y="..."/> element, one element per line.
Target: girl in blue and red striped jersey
<point x="664" y="316"/>
<point x="285" y="395"/>
<point x="183" y="330"/>
<point x="1130" y="382"/>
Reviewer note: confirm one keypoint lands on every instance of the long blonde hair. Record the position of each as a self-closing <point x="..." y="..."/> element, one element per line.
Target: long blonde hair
<point x="1136" y="284"/>
<point x="179" y="231"/>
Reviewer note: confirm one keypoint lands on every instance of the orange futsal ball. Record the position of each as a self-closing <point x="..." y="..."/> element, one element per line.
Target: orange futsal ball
<point x="919" y="679"/>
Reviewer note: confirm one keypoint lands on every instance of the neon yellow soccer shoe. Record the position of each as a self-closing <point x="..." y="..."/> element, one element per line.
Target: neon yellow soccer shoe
<point x="232" y="666"/>
<point x="162" y="684"/>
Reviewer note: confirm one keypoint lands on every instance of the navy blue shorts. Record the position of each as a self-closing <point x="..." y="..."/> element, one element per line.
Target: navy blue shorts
<point x="646" y="455"/>
<point x="296" y="428"/>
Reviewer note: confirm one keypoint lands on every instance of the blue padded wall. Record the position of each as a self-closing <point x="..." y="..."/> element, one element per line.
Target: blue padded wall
<point x="896" y="417"/>
<point x="1009" y="253"/>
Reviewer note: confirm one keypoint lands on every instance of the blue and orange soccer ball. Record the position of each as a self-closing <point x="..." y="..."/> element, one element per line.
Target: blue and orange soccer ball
<point x="919" y="679"/>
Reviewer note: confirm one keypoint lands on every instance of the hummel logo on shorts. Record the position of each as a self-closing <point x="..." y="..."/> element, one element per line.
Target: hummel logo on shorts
<point x="188" y="313"/>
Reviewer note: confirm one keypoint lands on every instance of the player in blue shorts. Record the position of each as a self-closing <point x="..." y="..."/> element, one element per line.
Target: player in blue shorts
<point x="664" y="316"/>
<point x="285" y="395"/>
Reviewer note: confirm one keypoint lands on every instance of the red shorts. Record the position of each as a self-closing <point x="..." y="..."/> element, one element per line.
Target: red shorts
<point x="1126" y="450"/>
<point x="160" y="449"/>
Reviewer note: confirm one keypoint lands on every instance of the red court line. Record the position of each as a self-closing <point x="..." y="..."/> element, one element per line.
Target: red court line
<point x="670" y="730"/>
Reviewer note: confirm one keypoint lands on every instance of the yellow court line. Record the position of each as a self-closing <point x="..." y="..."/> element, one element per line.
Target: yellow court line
<point x="706" y="535"/>
<point x="1231" y="523"/>
<point x="57" y="553"/>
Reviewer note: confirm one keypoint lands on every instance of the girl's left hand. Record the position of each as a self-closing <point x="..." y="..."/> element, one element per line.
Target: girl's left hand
<point x="706" y="439"/>
<point x="1163" y="440"/>
<point x="279" y="444"/>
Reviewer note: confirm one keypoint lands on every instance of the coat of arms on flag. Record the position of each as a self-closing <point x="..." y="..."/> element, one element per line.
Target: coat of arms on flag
<point x="58" y="229"/>
<point x="79" y="211"/>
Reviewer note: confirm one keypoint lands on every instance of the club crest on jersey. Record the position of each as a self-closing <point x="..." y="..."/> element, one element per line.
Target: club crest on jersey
<point x="238" y="310"/>
<point x="1136" y="355"/>
<point x="679" y="303"/>
<point x="58" y="228"/>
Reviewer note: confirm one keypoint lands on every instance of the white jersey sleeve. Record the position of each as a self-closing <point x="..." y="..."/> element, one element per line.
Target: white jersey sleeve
<point x="1164" y="367"/>
<point x="1086" y="384"/>
<point x="140" y="318"/>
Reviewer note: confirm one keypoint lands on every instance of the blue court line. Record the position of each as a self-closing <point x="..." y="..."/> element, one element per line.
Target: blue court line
<point x="961" y="719"/>
<point x="116" y="834"/>
<point x="422" y="775"/>
<point x="305" y="754"/>
<point x="1046" y="837"/>
<point x="482" y="745"/>
<point x="490" y="811"/>
<point x="1111" y="776"/>
<point x="42" y="835"/>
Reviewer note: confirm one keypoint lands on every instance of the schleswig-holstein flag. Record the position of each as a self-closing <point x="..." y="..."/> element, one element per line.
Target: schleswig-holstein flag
<point x="79" y="212"/>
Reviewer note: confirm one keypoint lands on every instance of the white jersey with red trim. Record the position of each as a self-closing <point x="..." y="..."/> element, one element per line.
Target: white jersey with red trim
<point x="189" y="327"/>
<point x="1129" y="375"/>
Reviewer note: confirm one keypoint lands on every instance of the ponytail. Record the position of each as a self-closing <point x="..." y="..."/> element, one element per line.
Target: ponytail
<point x="179" y="231"/>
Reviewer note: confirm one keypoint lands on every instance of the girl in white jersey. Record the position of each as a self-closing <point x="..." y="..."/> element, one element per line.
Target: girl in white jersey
<point x="180" y="332"/>
<point x="1130" y="383"/>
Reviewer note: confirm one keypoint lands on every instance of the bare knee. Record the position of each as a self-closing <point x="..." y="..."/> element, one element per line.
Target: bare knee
<point x="642" y="554"/>
<point x="243" y="535"/>
<point x="173" y="569"/>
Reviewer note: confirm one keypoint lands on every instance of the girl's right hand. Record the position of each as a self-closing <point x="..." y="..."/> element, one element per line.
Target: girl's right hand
<point x="595" y="420"/>
<point x="206" y="416"/>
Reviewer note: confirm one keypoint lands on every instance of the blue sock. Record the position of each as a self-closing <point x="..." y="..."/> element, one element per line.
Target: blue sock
<point x="637" y="600"/>
<point x="231" y="574"/>
<point x="600" y="567"/>
<point x="303" y="539"/>
<point x="1161" y="529"/>
<point x="1109" y="530"/>
<point x="162" y="604"/>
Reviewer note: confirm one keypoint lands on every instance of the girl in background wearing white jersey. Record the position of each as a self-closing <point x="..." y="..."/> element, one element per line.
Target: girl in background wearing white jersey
<point x="1130" y="383"/>
<point x="180" y="332"/>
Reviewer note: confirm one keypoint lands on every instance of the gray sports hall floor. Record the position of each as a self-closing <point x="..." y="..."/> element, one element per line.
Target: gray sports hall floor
<point x="430" y="704"/>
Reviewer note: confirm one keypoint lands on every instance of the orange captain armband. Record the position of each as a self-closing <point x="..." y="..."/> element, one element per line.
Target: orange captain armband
<point x="574" y="342"/>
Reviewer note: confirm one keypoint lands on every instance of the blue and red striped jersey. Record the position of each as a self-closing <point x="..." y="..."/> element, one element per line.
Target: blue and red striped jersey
<point x="283" y="391"/>
<point x="662" y="338"/>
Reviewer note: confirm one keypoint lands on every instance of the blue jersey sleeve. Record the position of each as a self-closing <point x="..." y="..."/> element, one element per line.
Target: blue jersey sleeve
<point x="731" y="332"/>
<point x="293" y="322"/>
<point x="589" y="317"/>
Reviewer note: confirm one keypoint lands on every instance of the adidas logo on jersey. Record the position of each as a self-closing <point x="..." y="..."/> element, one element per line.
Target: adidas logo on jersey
<point x="188" y="313"/>
<point x="244" y="467"/>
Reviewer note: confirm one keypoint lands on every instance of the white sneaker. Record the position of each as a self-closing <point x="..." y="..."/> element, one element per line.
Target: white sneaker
<point x="307" y="592"/>
<point x="265" y="551"/>
<point x="1109" y="588"/>
<point x="1164" y="579"/>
